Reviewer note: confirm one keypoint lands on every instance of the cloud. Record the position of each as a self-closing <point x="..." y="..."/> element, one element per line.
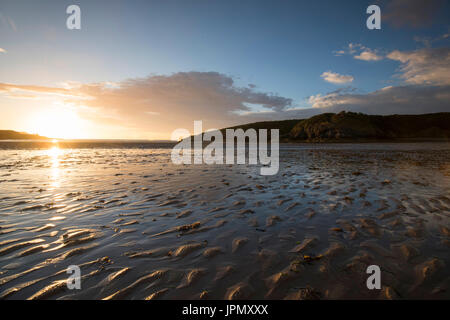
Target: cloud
<point x="336" y="77"/>
<point x="401" y="99"/>
<point x="411" y="13"/>
<point x="339" y="53"/>
<point x="159" y="102"/>
<point x="430" y="66"/>
<point x="2" y="50"/>
<point x="37" y="92"/>
<point x="352" y="47"/>
<point x="360" y="52"/>
<point x="428" y="41"/>
<point x="368" y="55"/>
<point x="389" y="100"/>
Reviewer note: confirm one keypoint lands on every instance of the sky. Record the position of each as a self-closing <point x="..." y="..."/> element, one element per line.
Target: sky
<point x="141" y="69"/>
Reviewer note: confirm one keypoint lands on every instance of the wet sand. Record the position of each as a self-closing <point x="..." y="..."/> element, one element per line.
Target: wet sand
<point x="142" y="228"/>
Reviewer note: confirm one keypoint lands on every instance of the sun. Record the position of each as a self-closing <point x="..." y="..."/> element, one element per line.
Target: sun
<point x="63" y="123"/>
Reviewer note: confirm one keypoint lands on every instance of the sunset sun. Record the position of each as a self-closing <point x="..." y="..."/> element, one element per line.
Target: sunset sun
<point x="58" y="123"/>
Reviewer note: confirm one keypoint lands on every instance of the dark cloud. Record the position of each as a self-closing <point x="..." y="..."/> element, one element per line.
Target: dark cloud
<point x="410" y="13"/>
<point x="389" y="100"/>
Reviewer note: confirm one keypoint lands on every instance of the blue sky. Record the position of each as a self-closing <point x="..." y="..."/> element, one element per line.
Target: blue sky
<point x="281" y="47"/>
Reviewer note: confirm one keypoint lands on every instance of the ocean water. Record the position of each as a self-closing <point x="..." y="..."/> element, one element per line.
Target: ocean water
<point x="141" y="227"/>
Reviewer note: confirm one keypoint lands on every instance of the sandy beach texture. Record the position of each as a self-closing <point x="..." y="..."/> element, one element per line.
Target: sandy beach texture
<point x="140" y="227"/>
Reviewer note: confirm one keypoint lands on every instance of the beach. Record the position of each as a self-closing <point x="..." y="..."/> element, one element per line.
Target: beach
<point x="140" y="227"/>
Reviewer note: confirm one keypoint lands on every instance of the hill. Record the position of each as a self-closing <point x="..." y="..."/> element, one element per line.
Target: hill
<point x="285" y="126"/>
<point x="350" y="126"/>
<point x="14" y="135"/>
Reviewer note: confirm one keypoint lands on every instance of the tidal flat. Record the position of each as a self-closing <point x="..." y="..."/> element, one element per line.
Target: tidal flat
<point x="140" y="227"/>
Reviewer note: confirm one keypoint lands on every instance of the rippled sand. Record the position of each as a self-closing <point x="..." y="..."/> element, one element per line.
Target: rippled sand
<point x="142" y="228"/>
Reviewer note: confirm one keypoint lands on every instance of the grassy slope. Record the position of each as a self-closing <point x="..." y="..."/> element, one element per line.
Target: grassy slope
<point x="284" y="126"/>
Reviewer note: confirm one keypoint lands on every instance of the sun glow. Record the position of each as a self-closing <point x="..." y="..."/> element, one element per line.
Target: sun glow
<point x="54" y="153"/>
<point x="58" y="123"/>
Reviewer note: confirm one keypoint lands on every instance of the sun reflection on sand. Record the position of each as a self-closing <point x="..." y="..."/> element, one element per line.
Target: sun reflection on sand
<point x="55" y="152"/>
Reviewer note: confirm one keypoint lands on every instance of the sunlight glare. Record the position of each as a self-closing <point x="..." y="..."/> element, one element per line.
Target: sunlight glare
<point x="54" y="152"/>
<point x="61" y="123"/>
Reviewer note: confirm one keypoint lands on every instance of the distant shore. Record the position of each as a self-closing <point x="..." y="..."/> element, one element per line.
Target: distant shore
<point x="14" y="135"/>
<point x="349" y="127"/>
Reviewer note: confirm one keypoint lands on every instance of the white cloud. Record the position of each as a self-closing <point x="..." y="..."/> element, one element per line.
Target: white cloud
<point x="336" y="77"/>
<point x="360" y="52"/>
<point x="424" y="66"/>
<point x="368" y="55"/>
<point x="352" y="47"/>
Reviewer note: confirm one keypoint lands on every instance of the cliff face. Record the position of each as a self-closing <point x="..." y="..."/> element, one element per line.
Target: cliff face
<point x="354" y="126"/>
